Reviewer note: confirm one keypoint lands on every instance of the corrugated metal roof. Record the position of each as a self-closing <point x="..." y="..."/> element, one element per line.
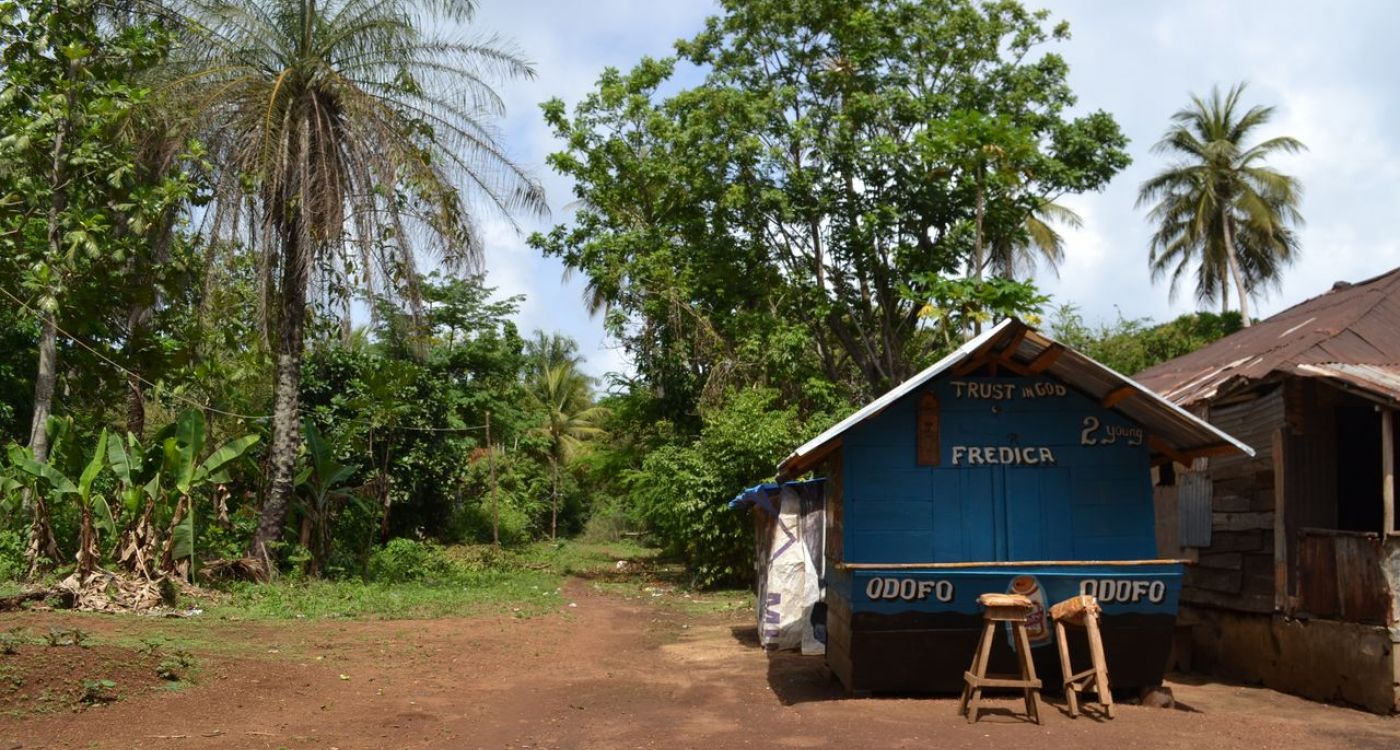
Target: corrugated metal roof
<point x="1379" y="380"/>
<point x="1353" y="324"/>
<point x="1017" y="346"/>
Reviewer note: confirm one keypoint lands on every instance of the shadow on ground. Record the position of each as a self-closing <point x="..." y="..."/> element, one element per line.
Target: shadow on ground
<point x="794" y="678"/>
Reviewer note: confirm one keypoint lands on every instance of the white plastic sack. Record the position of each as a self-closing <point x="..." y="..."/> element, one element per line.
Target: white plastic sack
<point x="791" y="586"/>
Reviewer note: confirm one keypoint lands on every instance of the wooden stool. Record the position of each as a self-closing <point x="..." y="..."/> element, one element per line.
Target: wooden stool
<point x="1001" y="608"/>
<point x="1083" y="611"/>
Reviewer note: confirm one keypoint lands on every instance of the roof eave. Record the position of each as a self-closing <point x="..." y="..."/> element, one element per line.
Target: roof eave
<point x="1212" y="441"/>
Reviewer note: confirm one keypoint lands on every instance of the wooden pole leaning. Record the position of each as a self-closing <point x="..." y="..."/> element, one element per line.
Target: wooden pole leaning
<point x="1387" y="473"/>
<point x="1083" y="611"/>
<point x="1001" y="608"/>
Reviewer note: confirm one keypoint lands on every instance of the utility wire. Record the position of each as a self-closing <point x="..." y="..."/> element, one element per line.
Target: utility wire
<point x="46" y="318"/>
<point x="49" y="319"/>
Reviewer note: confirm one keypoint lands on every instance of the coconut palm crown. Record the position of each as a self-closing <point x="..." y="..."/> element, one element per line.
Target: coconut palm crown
<point x="1219" y="206"/>
<point x="568" y="418"/>
<point x="1018" y="254"/>
<point x="350" y="136"/>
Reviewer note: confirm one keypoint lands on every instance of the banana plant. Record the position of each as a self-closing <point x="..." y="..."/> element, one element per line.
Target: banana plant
<point x="95" y="512"/>
<point x="157" y="486"/>
<point x="320" y="495"/>
<point x="182" y="460"/>
<point x="30" y="478"/>
<point x="137" y="470"/>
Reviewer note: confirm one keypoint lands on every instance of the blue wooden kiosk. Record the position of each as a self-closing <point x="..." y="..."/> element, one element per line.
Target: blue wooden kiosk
<point x="1013" y="465"/>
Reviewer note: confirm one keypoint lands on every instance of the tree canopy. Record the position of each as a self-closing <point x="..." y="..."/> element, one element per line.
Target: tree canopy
<point x="779" y="221"/>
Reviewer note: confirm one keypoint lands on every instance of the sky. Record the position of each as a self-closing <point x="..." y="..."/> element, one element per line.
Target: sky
<point x="1328" y="67"/>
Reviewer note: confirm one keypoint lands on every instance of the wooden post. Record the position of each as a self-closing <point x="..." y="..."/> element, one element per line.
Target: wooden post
<point x="1280" y="461"/>
<point x="926" y="439"/>
<point x="491" y="464"/>
<point x="1387" y="472"/>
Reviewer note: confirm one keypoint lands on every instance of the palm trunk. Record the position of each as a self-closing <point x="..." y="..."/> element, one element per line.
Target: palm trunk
<point x="135" y="397"/>
<point x="554" y="505"/>
<point x="141" y="312"/>
<point x="43" y="389"/>
<point x="135" y="405"/>
<point x="1235" y="275"/>
<point x="286" y="431"/>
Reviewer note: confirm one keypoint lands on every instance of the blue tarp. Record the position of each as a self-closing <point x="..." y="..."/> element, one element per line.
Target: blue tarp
<point x="762" y="495"/>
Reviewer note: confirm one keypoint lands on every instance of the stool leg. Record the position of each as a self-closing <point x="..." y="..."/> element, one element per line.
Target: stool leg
<point x="1066" y="670"/>
<point x="1101" y="686"/>
<point x="1023" y="645"/>
<point x="967" y="686"/>
<point x="979" y="669"/>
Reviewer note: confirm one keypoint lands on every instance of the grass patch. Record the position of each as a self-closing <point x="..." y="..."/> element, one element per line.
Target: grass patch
<point x="522" y="592"/>
<point x="582" y="559"/>
<point x="466" y="580"/>
<point x="437" y="582"/>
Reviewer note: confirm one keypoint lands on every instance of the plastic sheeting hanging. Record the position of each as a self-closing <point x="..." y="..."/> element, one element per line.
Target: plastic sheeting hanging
<point x="790" y="564"/>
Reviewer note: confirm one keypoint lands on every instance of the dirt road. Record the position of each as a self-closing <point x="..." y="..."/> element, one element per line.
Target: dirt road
<point x="608" y="674"/>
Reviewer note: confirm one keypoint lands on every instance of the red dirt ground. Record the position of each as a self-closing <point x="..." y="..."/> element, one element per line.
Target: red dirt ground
<point x="39" y="677"/>
<point x="608" y="674"/>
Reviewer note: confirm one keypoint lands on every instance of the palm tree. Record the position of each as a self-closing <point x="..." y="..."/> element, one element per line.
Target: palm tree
<point x="546" y="351"/>
<point x="569" y="417"/>
<point x="349" y="136"/>
<point x="1219" y="206"/>
<point x="1016" y="255"/>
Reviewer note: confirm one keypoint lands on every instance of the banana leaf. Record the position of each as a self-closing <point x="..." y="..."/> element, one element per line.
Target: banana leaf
<point x="125" y="462"/>
<point x="94" y="467"/>
<point x="182" y="537"/>
<point x="59" y="484"/>
<point x="214" y="467"/>
<point x="189" y="439"/>
<point x="102" y="516"/>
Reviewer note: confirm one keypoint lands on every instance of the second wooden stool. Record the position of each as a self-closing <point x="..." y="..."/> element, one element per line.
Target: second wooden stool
<point x="1000" y="608"/>
<point x="1083" y="611"/>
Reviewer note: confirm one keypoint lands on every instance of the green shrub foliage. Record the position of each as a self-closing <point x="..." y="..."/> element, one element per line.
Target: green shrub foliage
<point x="402" y="560"/>
<point x="682" y="488"/>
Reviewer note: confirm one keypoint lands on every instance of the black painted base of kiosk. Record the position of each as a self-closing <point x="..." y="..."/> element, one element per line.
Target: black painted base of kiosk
<point x="928" y="653"/>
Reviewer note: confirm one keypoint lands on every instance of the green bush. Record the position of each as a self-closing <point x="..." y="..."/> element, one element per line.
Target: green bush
<point x="612" y="520"/>
<point x="403" y="560"/>
<point x="12" y="562"/>
<point x="682" y="489"/>
<point x="522" y="493"/>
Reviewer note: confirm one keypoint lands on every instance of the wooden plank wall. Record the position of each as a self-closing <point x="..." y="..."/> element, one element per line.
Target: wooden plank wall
<point x="1237" y="570"/>
<point x="1310" y="464"/>
<point x="1165" y="509"/>
<point x="838" y="582"/>
<point x="835" y="513"/>
<point x="1341" y="575"/>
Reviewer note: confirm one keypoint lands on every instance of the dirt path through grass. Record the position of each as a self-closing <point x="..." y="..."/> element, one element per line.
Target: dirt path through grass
<point x="609" y="673"/>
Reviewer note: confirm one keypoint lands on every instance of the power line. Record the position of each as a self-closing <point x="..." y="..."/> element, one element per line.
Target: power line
<point x="50" y="320"/>
<point x="46" y="318"/>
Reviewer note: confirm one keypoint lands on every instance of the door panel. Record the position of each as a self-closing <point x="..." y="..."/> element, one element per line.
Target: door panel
<point x="1037" y="514"/>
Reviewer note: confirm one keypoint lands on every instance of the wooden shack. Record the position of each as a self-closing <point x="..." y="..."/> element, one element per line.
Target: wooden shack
<point x="1014" y="464"/>
<point x="1297" y="577"/>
